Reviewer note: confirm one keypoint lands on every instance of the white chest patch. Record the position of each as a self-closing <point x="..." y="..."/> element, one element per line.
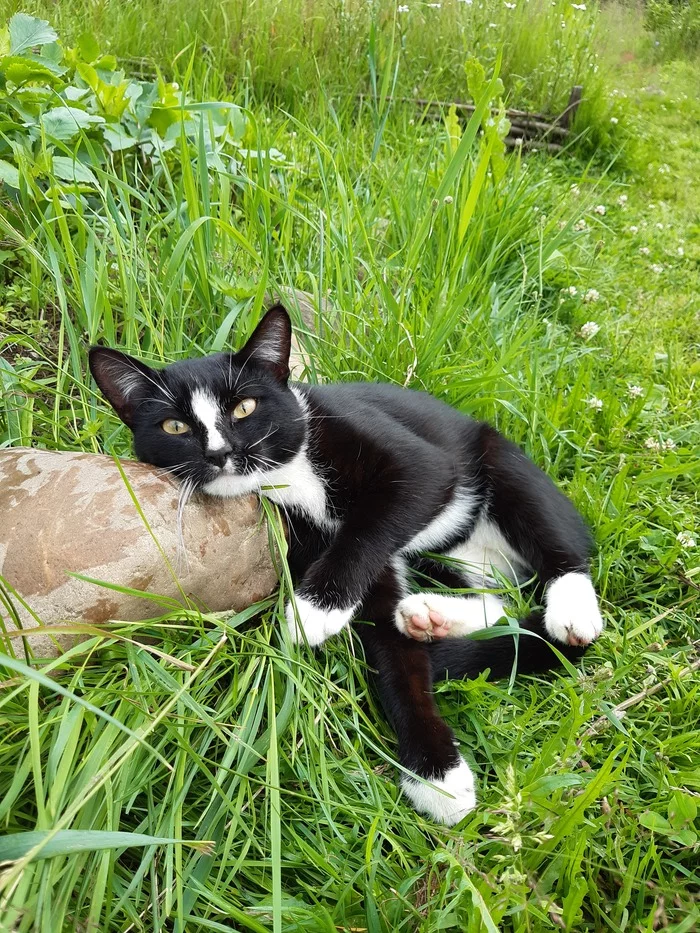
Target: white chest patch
<point x="486" y="551"/>
<point x="295" y="485"/>
<point x="455" y="515"/>
<point x="207" y="412"/>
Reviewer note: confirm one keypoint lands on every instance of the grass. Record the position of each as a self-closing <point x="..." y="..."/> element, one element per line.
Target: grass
<point x="278" y="49"/>
<point x="280" y="756"/>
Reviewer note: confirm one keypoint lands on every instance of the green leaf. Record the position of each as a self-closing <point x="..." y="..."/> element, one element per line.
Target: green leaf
<point x="27" y="32"/>
<point x="88" y="47"/>
<point x="655" y="822"/>
<point x="117" y="138"/>
<point x="682" y="810"/>
<point x="686" y="837"/>
<point x="72" y="170"/>
<point x="9" y="174"/>
<point x="19" y="70"/>
<point x="66" y="122"/>
<point x="71" y="841"/>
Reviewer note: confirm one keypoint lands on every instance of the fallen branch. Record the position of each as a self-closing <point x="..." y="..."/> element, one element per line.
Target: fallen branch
<point x="638" y="698"/>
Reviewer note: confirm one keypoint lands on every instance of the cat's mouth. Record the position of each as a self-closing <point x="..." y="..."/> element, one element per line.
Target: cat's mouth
<point x="227" y="468"/>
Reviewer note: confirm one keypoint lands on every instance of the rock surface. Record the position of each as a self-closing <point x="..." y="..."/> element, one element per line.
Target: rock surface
<point x="62" y="512"/>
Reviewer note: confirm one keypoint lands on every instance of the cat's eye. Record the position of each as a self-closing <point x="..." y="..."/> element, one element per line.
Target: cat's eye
<point x="173" y="426"/>
<point x="244" y="408"/>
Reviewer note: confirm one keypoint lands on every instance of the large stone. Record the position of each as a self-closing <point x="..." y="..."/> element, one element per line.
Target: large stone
<point x="63" y="512"/>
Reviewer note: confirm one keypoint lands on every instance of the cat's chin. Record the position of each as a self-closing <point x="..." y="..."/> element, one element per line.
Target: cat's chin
<point x="231" y="485"/>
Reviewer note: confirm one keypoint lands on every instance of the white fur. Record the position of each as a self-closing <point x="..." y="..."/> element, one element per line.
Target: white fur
<point x="297" y="485"/>
<point x="208" y="413"/>
<point x="442" y="527"/>
<point x="291" y="485"/>
<point x="458" y="796"/>
<point x="486" y="551"/>
<point x="313" y="622"/>
<point x="462" y="614"/>
<point x="572" y="615"/>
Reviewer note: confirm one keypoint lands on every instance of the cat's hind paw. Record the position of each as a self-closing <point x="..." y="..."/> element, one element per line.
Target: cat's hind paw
<point x="425" y="616"/>
<point x="313" y="623"/>
<point x="571" y="613"/>
<point x="447" y="799"/>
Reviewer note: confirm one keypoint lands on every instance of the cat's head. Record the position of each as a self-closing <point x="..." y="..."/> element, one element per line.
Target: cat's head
<point x="221" y="422"/>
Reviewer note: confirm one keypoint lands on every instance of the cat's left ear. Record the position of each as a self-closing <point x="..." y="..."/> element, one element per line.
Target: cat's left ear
<point x="270" y="343"/>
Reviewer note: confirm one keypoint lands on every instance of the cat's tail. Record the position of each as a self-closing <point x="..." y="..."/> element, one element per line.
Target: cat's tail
<point x="453" y="658"/>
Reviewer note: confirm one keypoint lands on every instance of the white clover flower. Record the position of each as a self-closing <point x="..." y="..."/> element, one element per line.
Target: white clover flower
<point x="652" y="444"/>
<point x="635" y="391"/>
<point x="600" y="209"/>
<point x="656" y="268"/>
<point x="622" y="200"/>
<point x="588" y="330"/>
<point x="579" y="6"/>
<point x="509" y="6"/>
<point x="669" y="444"/>
<point x="595" y="403"/>
<point x="402" y="9"/>
<point x="685" y="539"/>
<point x="644" y="250"/>
<point x="572" y="290"/>
<point x="634" y="229"/>
<point x="659" y="226"/>
<point x="614" y="120"/>
<point x="681" y="251"/>
<point x="448" y="199"/>
<point x="591" y="295"/>
<point x="580" y="225"/>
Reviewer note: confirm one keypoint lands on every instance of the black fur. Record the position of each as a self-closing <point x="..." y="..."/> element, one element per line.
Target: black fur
<point x="390" y="460"/>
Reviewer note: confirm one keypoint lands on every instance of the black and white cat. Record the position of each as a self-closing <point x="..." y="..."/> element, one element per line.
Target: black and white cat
<point x="370" y="477"/>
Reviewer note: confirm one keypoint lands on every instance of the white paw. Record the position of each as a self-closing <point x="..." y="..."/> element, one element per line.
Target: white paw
<point x="446" y="800"/>
<point x="313" y="622"/>
<point x="572" y="615"/>
<point x="425" y="616"/>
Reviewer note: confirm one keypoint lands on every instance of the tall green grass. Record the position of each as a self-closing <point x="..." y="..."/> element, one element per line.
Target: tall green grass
<point x="209" y="728"/>
<point x="279" y="48"/>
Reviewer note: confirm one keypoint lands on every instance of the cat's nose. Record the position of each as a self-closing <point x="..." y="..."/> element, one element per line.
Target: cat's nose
<point x="219" y="456"/>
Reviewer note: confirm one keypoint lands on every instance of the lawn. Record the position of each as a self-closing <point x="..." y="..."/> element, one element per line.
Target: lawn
<point x="556" y="297"/>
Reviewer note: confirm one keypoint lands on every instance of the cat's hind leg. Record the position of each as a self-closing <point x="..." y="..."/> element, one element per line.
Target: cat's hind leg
<point x="437" y="780"/>
<point x="429" y="615"/>
<point x="544" y="528"/>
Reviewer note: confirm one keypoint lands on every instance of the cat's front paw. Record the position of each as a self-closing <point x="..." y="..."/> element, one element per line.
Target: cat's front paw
<point x="571" y="613"/>
<point x="312" y="623"/>
<point x="447" y="799"/>
<point x="425" y="616"/>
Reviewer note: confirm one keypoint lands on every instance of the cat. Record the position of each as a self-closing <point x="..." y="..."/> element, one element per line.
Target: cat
<point x="370" y="477"/>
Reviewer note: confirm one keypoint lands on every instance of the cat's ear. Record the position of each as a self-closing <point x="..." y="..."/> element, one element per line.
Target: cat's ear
<point x="123" y="381"/>
<point x="270" y="343"/>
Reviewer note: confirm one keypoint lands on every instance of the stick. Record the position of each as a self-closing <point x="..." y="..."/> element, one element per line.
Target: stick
<point x="638" y="698"/>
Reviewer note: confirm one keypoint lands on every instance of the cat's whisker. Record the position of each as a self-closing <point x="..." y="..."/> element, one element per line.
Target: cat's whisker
<point x="273" y="430"/>
<point x="186" y="490"/>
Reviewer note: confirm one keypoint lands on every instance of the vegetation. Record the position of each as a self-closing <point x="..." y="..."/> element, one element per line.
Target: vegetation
<point x="554" y="297"/>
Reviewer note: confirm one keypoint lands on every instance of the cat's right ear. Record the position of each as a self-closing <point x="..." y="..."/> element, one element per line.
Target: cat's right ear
<point x="123" y="381"/>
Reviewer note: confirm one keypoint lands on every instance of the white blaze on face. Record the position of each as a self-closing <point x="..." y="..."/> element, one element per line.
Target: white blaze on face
<point x="207" y="412"/>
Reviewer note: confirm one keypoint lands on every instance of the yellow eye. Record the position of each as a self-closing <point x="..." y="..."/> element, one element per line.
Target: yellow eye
<point x="245" y="408"/>
<point x="173" y="426"/>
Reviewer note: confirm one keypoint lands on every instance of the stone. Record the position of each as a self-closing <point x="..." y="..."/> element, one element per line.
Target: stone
<point x="64" y="512"/>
